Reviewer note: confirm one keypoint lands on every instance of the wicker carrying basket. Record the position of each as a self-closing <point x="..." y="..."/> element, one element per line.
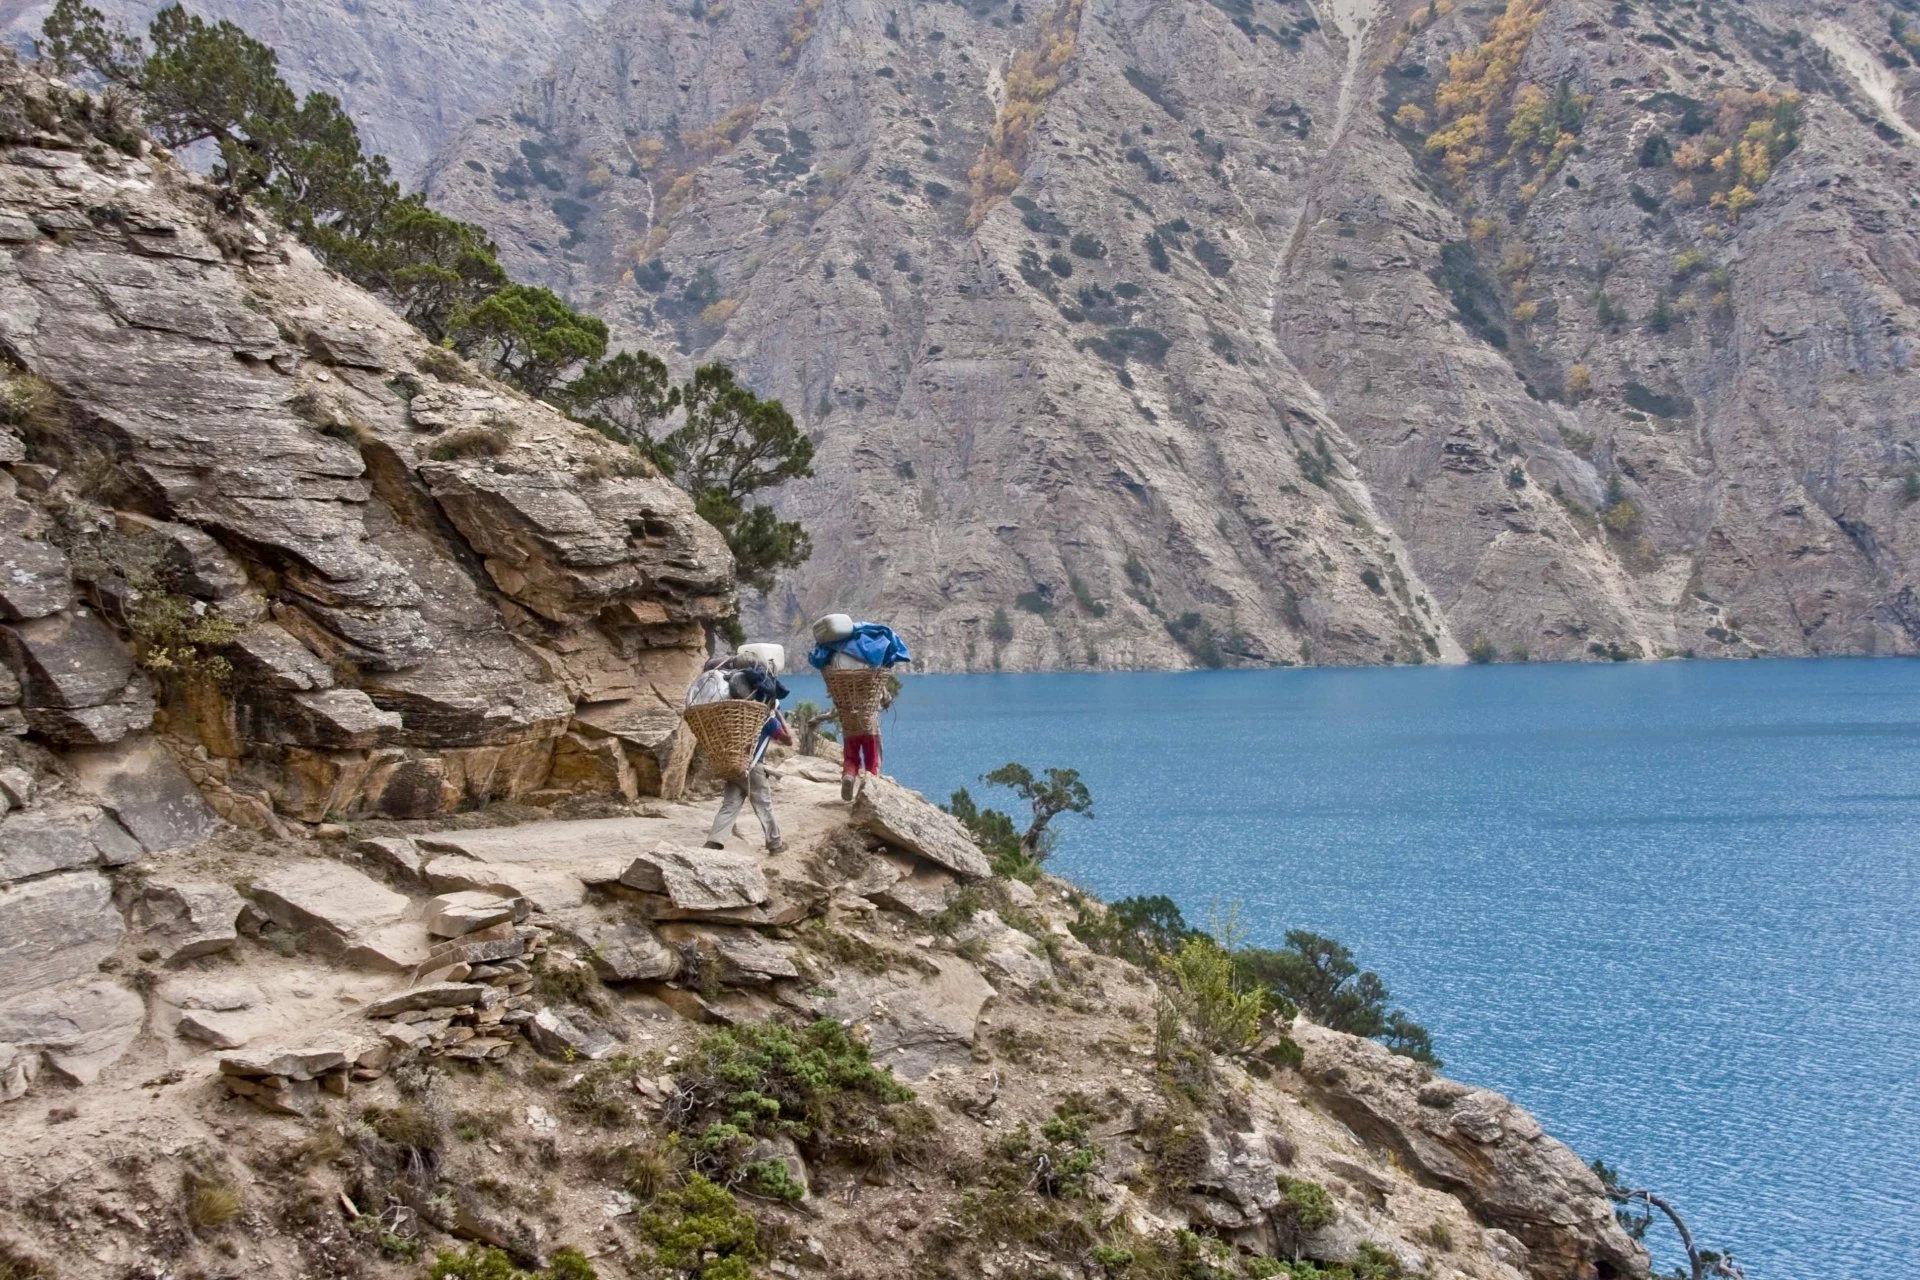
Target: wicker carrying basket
<point x="857" y="696"/>
<point x="728" y="731"/>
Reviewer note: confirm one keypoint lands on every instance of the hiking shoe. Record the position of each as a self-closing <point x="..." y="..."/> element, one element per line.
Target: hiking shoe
<point x="713" y="844"/>
<point x="847" y="781"/>
<point x="776" y="845"/>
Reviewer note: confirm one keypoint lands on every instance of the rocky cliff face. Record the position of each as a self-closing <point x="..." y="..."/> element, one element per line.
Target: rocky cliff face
<point x="350" y="574"/>
<point x="1143" y="333"/>
<point x="412" y="72"/>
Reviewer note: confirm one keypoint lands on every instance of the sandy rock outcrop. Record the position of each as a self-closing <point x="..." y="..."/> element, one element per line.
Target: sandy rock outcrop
<point x="1477" y="1145"/>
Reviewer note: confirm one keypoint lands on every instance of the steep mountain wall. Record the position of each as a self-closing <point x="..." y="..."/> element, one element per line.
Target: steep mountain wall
<point x="1139" y="333"/>
<point x="411" y="72"/>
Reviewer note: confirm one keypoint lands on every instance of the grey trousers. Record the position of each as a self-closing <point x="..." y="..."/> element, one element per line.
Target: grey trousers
<point x="736" y="795"/>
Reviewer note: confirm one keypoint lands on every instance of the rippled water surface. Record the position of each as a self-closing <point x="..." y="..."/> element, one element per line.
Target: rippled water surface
<point x="1673" y="909"/>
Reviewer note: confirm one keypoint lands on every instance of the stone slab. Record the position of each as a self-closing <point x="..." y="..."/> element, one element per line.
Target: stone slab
<point x="547" y="888"/>
<point x="195" y="917"/>
<point x="220" y="1030"/>
<point x="56" y="928"/>
<point x="34" y="581"/>
<point x="69" y="660"/>
<point x="455" y="915"/>
<point x="139" y="782"/>
<point x="699" y="879"/>
<point x="330" y="902"/>
<point x="65" y="838"/>
<point x="556" y="1036"/>
<point x="910" y="822"/>
<point x="438" y="995"/>
<point x="82" y="1031"/>
<point x="619" y="950"/>
<point x="590" y="840"/>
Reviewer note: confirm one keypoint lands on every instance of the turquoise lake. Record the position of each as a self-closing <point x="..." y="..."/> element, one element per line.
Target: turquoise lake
<point x="1671" y="908"/>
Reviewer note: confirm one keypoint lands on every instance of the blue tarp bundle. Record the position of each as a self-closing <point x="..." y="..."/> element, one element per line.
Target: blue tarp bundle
<point x="873" y="643"/>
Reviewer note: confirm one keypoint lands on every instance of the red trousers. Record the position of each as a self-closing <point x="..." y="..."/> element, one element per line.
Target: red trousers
<point x="862" y="752"/>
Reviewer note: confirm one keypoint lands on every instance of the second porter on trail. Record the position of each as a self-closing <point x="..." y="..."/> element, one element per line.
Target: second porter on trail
<point x="857" y="661"/>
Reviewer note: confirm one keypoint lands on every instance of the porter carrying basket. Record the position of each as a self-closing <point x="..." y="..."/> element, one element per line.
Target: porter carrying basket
<point x="857" y="695"/>
<point x="728" y="731"/>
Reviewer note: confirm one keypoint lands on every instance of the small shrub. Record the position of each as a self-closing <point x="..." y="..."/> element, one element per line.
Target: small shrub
<point x="483" y="1262"/>
<point x="470" y="442"/>
<point x="699" y="1231"/>
<point x="817" y="1086"/>
<point x="600" y="1092"/>
<point x="1000" y="629"/>
<point x="1224" y="1011"/>
<point x="1910" y="488"/>
<point x="1482" y="651"/>
<point x="212" y="1203"/>
<point x="1371" y="579"/>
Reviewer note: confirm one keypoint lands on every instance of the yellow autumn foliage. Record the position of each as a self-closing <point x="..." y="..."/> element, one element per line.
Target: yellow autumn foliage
<point x="1478" y="83"/>
<point x="1030" y="82"/>
<point x="799" y="30"/>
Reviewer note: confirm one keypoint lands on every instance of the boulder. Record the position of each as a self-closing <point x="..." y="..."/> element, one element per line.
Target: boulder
<point x="18" y="1070"/>
<point x="56" y="928"/>
<point x="1476" y="1145"/>
<point x="339" y="719"/>
<point x="109" y="722"/>
<point x="82" y="1031"/>
<point x="69" y="660"/>
<point x="220" y="1030"/>
<point x="696" y="880"/>
<point x="619" y="950"/>
<point x="454" y="915"/>
<point x="138" y="781"/>
<point x="555" y="1036"/>
<point x="908" y="821"/>
<point x="335" y="906"/>
<point x="914" y="1021"/>
<point x="34" y="581"/>
<point x="195" y="917"/>
<point x="923" y="895"/>
<point x="61" y="839"/>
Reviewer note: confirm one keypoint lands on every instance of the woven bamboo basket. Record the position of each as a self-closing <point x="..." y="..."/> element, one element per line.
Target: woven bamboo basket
<point x="727" y="731"/>
<point x="857" y="696"/>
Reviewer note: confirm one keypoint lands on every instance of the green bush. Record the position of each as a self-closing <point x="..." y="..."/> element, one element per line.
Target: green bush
<point x="1224" y="1009"/>
<point x="817" y="1086"/>
<point x="1482" y="651"/>
<point x="699" y="1231"/>
<point x="1142" y="930"/>
<point x="482" y="1262"/>
<point x="1320" y="977"/>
